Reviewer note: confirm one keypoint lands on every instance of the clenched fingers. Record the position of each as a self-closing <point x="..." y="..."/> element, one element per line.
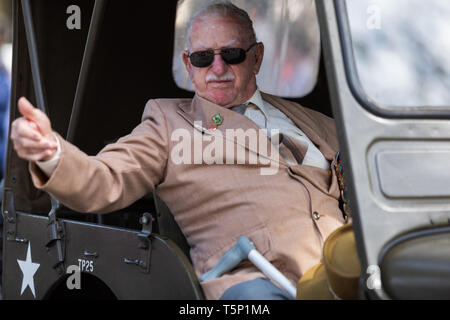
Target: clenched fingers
<point x="21" y="127"/>
<point x="30" y="156"/>
<point x="31" y="144"/>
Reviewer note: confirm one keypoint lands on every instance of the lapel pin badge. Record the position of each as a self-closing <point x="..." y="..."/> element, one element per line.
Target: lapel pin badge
<point x="217" y="120"/>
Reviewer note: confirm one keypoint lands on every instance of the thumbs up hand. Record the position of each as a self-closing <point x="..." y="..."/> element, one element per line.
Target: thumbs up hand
<point x="32" y="134"/>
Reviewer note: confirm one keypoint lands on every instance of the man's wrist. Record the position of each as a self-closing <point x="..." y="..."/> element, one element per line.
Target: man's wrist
<point x="49" y="166"/>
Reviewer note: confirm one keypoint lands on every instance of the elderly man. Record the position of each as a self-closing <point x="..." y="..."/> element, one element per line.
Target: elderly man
<point x="215" y="196"/>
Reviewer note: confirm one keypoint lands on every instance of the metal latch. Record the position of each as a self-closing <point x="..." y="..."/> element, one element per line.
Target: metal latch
<point x="145" y="244"/>
<point x="10" y="218"/>
<point x="55" y="239"/>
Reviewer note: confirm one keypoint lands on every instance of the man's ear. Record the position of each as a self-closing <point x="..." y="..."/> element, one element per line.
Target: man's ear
<point x="259" y="55"/>
<point x="187" y="63"/>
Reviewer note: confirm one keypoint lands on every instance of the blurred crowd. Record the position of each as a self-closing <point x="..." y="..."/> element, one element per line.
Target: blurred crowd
<point x="5" y="88"/>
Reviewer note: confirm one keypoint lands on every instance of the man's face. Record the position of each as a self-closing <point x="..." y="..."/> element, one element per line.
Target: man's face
<point x="222" y="83"/>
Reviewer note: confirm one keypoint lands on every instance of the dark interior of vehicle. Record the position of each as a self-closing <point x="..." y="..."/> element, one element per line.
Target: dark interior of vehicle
<point x="131" y="63"/>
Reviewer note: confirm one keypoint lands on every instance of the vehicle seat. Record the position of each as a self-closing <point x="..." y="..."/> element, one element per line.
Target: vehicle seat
<point x="168" y="227"/>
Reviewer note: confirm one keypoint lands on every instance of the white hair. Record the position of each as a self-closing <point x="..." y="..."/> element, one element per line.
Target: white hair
<point x="224" y="9"/>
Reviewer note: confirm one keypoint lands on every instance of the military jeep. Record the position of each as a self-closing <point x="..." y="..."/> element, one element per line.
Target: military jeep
<point x="380" y="71"/>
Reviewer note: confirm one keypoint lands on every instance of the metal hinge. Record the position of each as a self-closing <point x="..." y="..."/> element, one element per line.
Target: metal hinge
<point x="145" y="244"/>
<point x="10" y="218"/>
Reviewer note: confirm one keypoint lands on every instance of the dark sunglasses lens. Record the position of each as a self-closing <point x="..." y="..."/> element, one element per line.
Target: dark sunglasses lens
<point x="202" y="59"/>
<point x="233" y="55"/>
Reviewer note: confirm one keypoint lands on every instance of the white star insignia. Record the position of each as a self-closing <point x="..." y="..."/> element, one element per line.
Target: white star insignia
<point x="28" y="269"/>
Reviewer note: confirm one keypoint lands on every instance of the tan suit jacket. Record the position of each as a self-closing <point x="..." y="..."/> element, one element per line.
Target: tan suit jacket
<point x="214" y="204"/>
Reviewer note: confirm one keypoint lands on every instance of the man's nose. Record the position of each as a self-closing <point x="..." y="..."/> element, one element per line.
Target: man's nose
<point x="219" y="67"/>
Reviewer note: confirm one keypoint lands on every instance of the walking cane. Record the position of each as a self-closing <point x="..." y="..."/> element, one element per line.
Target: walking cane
<point x="245" y="249"/>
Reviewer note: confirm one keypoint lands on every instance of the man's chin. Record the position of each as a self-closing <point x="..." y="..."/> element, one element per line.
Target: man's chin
<point x="221" y="97"/>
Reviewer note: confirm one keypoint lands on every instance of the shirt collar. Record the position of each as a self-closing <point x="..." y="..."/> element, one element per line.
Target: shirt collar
<point x="258" y="101"/>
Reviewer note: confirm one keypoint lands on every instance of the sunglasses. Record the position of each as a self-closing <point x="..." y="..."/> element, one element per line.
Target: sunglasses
<point x="203" y="59"/>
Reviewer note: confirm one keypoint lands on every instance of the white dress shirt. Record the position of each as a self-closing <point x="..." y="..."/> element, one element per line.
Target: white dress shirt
<point x="267" y="116"/>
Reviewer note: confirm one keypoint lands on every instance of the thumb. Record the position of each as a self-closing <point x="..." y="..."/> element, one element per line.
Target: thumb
<point x="35" y="115"/>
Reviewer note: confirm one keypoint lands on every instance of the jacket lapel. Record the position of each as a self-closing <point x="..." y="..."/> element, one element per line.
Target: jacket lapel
<point x="200" y="112"/>
<point x="308" y="124"/>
